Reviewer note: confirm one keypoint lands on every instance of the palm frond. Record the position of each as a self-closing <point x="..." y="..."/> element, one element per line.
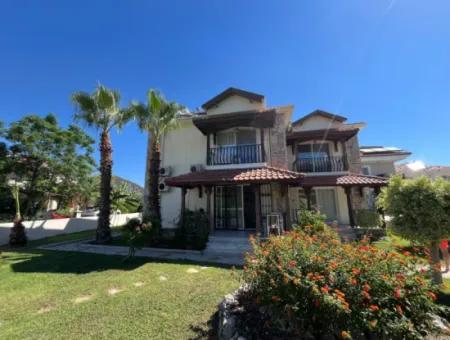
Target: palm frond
<point x="86" y="108"/>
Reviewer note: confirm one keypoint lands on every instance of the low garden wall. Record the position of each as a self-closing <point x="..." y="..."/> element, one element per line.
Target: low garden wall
<point x="44" y="228"/>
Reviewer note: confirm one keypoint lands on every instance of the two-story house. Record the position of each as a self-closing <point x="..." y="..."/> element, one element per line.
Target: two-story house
<point x="241" y="161"/>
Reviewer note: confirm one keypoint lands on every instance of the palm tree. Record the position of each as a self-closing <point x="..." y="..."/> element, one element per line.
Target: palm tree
<point x="157" y="117"/>
<point x="101" y="110"/>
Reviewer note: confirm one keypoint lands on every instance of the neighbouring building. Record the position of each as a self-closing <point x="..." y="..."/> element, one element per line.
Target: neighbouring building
<point x="381" y="160"/>
<point x="432" y="171"/>
<point x="245" y="163"/>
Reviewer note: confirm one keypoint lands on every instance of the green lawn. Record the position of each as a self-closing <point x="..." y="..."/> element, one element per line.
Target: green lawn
<point x="51" y="294"/>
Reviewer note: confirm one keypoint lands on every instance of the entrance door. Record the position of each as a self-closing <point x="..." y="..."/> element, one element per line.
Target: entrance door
<point x="229" y="207"/>
<point x="326" y="201"/>
<point x="249" y="208"/>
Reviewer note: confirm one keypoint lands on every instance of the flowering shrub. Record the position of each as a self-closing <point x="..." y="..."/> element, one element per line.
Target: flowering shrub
<point x="314" y="220"/>
<point x="325" y="287"/>
<point x="134" y="232"/>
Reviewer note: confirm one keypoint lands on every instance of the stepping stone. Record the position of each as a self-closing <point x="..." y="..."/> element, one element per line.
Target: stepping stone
<point x="82" y="298"/>
<point x="162" y="278"/>
<point x="138" y="284"/>
<point x="114" y="291"/>
<point x="45" y="309"/>
<point x="192" y="271"/>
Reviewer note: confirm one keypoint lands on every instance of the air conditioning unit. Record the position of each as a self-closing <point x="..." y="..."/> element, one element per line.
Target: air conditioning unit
<point x="197" y="167"/>
<point x="165" y="171"/>
<point x="162" y="186"/>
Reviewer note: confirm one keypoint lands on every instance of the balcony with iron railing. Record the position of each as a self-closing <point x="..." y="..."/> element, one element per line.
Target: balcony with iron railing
<point x="322" y="164"/>
<point x="235" y="154"/>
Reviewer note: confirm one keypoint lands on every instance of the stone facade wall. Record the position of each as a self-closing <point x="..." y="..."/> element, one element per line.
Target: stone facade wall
<point x="353" y="155"/>
<point x="277" y="140"/>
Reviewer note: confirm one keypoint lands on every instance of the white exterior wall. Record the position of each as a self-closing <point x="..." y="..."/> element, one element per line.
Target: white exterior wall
<point x="316" y="123"/>
<point x="379" y="167"/>
<point x="181" y="148"/>
<point x="39" y="229"/>
<point x="234" y="104"/>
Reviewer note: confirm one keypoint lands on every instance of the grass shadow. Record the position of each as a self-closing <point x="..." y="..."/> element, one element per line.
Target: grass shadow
<point x="206" y="331"/>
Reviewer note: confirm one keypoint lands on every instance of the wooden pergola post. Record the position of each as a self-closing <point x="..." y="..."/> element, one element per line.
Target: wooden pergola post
<point x="288" y="208"/>
<point x="208" y="207"/>
<point x="183" y="203"/>
<point x="307" y="191"/>
<point x="258" y="219"/>
<point x="348" y="193"/>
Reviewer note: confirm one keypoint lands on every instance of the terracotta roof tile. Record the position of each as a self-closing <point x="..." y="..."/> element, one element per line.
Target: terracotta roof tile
<point x="344" y="180"/>
<point x="237" y="176"/>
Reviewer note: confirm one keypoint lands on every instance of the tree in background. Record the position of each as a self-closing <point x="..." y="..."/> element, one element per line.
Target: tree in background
<point x="101" y="110"/>
<point x="420" y="212"/>
<point x="157" y="117"/>
<point x="52" y="161"/>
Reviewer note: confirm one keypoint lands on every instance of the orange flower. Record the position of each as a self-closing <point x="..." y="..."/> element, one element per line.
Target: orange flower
<point x="432" y="296"/>
<point x="325" y="289"/>
<point x="398" y="293"/>
<point x="292" y="263"/>
<point x="354" y="282"/>
<point x="399" y="309"/>
<point x="374" y="308"/>
<point x="366" y="287"/>
<point x="276" y="298"/>
<point x="365" y="295"/>
<point x="356" y="271"/>
<point x="345" y="335"/>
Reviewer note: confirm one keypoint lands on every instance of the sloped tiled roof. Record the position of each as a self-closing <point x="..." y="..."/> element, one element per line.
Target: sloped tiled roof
<point x="235" y="176"/>
<point x="231" y="91"/>
<point x="321" y="113"/>
<point x="344" y="180"/>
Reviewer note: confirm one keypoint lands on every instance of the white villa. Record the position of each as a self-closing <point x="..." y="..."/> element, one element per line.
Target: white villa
<point x="243" y="162"/>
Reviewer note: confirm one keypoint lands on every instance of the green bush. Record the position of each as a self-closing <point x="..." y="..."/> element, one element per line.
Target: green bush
<point x="315" y="284"/>
<point x="193" y="230"/>
<point x="367" y="218"/>
<point x="313" y="221"/>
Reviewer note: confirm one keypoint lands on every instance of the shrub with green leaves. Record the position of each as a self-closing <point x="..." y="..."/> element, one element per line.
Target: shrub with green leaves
<point x="193" y="230"/>
<point x="313" y="221"/>
<point x="367" y="218"/>
<point x="420" y="212"/>
<point x="315" y="284"/>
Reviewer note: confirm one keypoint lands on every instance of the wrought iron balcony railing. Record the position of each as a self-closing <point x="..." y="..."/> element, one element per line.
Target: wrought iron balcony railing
<point x="235" y="154"/>
<point x="323" y="164"/>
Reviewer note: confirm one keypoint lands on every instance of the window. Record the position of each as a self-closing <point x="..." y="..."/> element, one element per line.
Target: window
<point x="236" y="137"/>
<point x="313" y="151"/>
<point x="303" y="202"/>
<point x="366" y="170"/>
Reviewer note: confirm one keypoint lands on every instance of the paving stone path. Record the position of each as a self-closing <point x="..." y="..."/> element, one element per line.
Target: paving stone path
<point x="84" y="246"/>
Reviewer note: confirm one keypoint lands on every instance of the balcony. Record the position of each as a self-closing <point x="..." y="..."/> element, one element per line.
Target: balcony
<point x="235" y="154"/>
<point x="322" y="164"/>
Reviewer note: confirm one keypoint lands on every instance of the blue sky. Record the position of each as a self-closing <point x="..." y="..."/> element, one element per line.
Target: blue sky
<point x="384" y="62"/>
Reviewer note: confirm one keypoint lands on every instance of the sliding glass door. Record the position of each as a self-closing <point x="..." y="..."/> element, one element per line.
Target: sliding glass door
<point x="229" y="210"/>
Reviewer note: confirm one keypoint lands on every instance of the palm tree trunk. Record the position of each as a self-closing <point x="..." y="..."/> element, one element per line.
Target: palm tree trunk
<point x="103" y="229"/>
<point x="436" y="263"/>
<point x="152" y="199"/>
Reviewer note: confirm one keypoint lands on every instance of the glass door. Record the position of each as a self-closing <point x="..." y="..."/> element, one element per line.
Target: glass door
<point x="326" y="202"/>
<point x="229" y="207"/>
